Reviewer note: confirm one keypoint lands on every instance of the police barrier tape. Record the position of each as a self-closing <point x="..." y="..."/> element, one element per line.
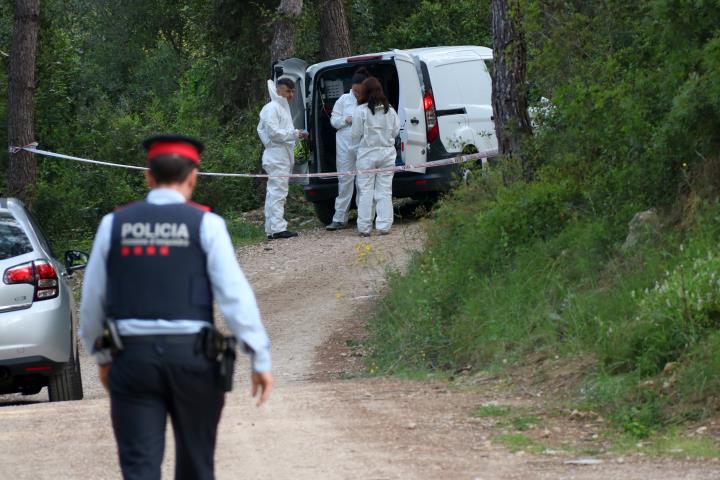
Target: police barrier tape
<point x="32" y="148"/>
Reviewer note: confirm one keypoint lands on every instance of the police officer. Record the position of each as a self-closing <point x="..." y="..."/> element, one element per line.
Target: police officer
<point x="156" y="267"/>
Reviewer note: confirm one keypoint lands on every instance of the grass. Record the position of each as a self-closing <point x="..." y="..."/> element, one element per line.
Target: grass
<point x="242" y="232"/>
<point x="491" y="410"/>
<point x="508" y="273"/>
<point x="672" y="443"/>
<point x="523" y="423"/>
<point x="516" y="442"/>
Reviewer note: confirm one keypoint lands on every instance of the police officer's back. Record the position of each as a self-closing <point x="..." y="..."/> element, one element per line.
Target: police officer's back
<point x="155" y="270"/>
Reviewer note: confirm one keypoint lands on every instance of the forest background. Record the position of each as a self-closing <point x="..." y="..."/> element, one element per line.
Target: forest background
<point x="112" y="72"/>
<point x="514" y="269"/>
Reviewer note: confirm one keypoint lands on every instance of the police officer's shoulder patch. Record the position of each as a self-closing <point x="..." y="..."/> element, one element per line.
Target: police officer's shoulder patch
<point x="200" y="206"/>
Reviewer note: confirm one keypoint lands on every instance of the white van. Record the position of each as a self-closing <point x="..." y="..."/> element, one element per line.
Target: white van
<point x="443" y="98"/>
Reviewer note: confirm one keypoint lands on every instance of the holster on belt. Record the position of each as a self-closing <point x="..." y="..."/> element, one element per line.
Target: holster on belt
<point x="110" y="339"/>
<point x="220" y="349"/>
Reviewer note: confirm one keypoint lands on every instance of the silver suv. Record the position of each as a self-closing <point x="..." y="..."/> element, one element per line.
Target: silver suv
<point x="38" y="345"/>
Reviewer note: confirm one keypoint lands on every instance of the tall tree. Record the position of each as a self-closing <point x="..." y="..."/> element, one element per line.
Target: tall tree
<point x="334" y="33"/>
<point x="283" y="42"/>
<point x="510" y="100"/>
<point x="21" y="109"/>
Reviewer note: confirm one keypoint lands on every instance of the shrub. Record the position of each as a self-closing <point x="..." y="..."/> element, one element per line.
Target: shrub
<point x="672" y="317"/>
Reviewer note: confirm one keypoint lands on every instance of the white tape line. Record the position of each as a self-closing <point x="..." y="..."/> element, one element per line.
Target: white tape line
<point x="436" y="163"/>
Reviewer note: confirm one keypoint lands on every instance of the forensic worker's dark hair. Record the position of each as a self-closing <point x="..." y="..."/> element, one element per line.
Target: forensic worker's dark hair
<point x="287" y="82"/>
<point x="170" y="169"/>
<point x="360" y="75"/>
<point x="373" y="95"/>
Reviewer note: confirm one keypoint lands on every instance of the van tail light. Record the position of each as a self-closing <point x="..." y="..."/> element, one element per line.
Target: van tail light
<point x="433" y="130"/>
<point x="39" y="273"/>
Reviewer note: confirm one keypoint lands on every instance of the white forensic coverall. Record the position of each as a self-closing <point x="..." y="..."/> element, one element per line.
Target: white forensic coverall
<point x="277" y="134"/>
<point x="345" y="153"/>
<point x="375" y="135"/>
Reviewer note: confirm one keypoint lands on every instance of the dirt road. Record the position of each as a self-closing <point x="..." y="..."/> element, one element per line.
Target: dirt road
<point x="313" y="292"/>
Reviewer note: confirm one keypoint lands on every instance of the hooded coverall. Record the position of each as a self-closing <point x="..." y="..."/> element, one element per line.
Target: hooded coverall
<point x="375" y="135"/>
<point x="345" y="152"/>
<point x="278" y="135"/>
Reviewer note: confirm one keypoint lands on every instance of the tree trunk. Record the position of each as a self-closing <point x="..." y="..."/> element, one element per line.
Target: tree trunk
<point x="334" y="33"/>
<point x="21" y="109"/>
<point x="510" y="103"/>
<point x="283" y="43"/>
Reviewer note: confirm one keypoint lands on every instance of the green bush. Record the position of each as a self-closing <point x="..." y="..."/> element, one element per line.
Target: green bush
<point x="440" y="318"/>
<point x="672" y="316"/>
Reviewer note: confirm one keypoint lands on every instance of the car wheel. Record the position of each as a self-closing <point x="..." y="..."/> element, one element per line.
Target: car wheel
<point x="325" y="211"/>
<point x="66" y="383"/>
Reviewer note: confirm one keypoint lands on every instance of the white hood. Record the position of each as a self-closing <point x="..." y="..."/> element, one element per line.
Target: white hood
<point x="274" y="97"/>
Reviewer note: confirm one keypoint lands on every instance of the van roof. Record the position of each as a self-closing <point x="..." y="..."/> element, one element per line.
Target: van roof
<point x="7" y="203"/>
<point x="430" y="55"/>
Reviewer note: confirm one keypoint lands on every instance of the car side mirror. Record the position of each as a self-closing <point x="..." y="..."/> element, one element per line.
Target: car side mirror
<point x="75" y="260"/>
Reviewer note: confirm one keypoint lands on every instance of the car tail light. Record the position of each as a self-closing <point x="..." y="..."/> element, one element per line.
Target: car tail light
<point x="24" y="273"/>
<point x="433" y="130"/>
<point x="39" y="273"/>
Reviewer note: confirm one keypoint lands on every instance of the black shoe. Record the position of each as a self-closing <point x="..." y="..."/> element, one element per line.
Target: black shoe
<point x="285" y="234"/>
<point x="336" y="226"/>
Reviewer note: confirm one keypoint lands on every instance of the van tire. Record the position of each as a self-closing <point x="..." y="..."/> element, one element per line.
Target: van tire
<point x="66" y="383"/>
<point x="325" y="211"/>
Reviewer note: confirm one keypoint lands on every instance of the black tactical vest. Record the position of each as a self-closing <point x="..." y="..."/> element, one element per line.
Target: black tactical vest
<point x="156" y="266"/>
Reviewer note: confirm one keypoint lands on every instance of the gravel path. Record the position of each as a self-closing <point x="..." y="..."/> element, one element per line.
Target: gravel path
<point x="312" y="292"/>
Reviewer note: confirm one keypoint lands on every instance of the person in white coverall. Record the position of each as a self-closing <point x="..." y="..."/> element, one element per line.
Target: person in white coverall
<point x="375" y="126"/>
<point x="345" y="150"/>
<point x="278" y="135"/>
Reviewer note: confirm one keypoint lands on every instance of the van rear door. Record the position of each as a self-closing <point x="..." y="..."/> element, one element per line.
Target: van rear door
<point x="413" y="131"/>
<point x="294" y="68"/>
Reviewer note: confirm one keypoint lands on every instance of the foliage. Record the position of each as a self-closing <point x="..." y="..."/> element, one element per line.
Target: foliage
<point x="512" y="269"/>
<point x="379" y="26"/>
<point x="674" y="315"/>
<point x="111" y="73"/>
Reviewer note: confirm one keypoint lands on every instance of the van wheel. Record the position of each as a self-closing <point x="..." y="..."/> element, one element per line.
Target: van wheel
<point x="66" y="383"/>
<point x="325" y="211"/>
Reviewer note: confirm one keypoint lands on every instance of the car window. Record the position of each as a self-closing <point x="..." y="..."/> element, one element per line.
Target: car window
<point x="13" y="240"/>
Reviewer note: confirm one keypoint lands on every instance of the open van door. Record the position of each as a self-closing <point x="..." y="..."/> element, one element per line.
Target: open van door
<point x="413" y="127"/>
<point x="294" y="68"/>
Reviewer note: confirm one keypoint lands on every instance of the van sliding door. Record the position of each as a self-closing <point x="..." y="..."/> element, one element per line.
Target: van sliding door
<point x="413" y="132"/>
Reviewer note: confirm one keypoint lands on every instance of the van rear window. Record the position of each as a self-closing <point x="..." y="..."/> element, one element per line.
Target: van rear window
<point x="13" y="241"/>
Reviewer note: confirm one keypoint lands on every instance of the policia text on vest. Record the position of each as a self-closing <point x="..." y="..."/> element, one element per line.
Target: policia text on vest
<point x="156" y="269"/>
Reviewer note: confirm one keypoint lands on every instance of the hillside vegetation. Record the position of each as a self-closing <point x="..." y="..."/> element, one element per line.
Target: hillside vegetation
<point x="515" y="269"/>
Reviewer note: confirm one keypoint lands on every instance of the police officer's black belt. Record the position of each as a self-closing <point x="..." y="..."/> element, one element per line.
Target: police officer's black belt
<point x="188" y="339"/>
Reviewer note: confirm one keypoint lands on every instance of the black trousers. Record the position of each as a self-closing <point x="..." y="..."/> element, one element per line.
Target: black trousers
<point x="153" y="377"/>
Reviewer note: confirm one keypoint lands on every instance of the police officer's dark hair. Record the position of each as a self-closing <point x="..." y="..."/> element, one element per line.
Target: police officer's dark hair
<point x="360" y="75"/>
<point x="287" y="82"/>
<point x="169" y="169"/>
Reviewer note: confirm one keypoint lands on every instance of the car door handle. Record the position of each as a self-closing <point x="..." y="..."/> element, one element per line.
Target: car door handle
<point x="414" y="121"/>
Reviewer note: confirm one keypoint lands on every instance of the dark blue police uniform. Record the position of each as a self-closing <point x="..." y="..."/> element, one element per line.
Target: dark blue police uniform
<point x="157" y="270"/>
